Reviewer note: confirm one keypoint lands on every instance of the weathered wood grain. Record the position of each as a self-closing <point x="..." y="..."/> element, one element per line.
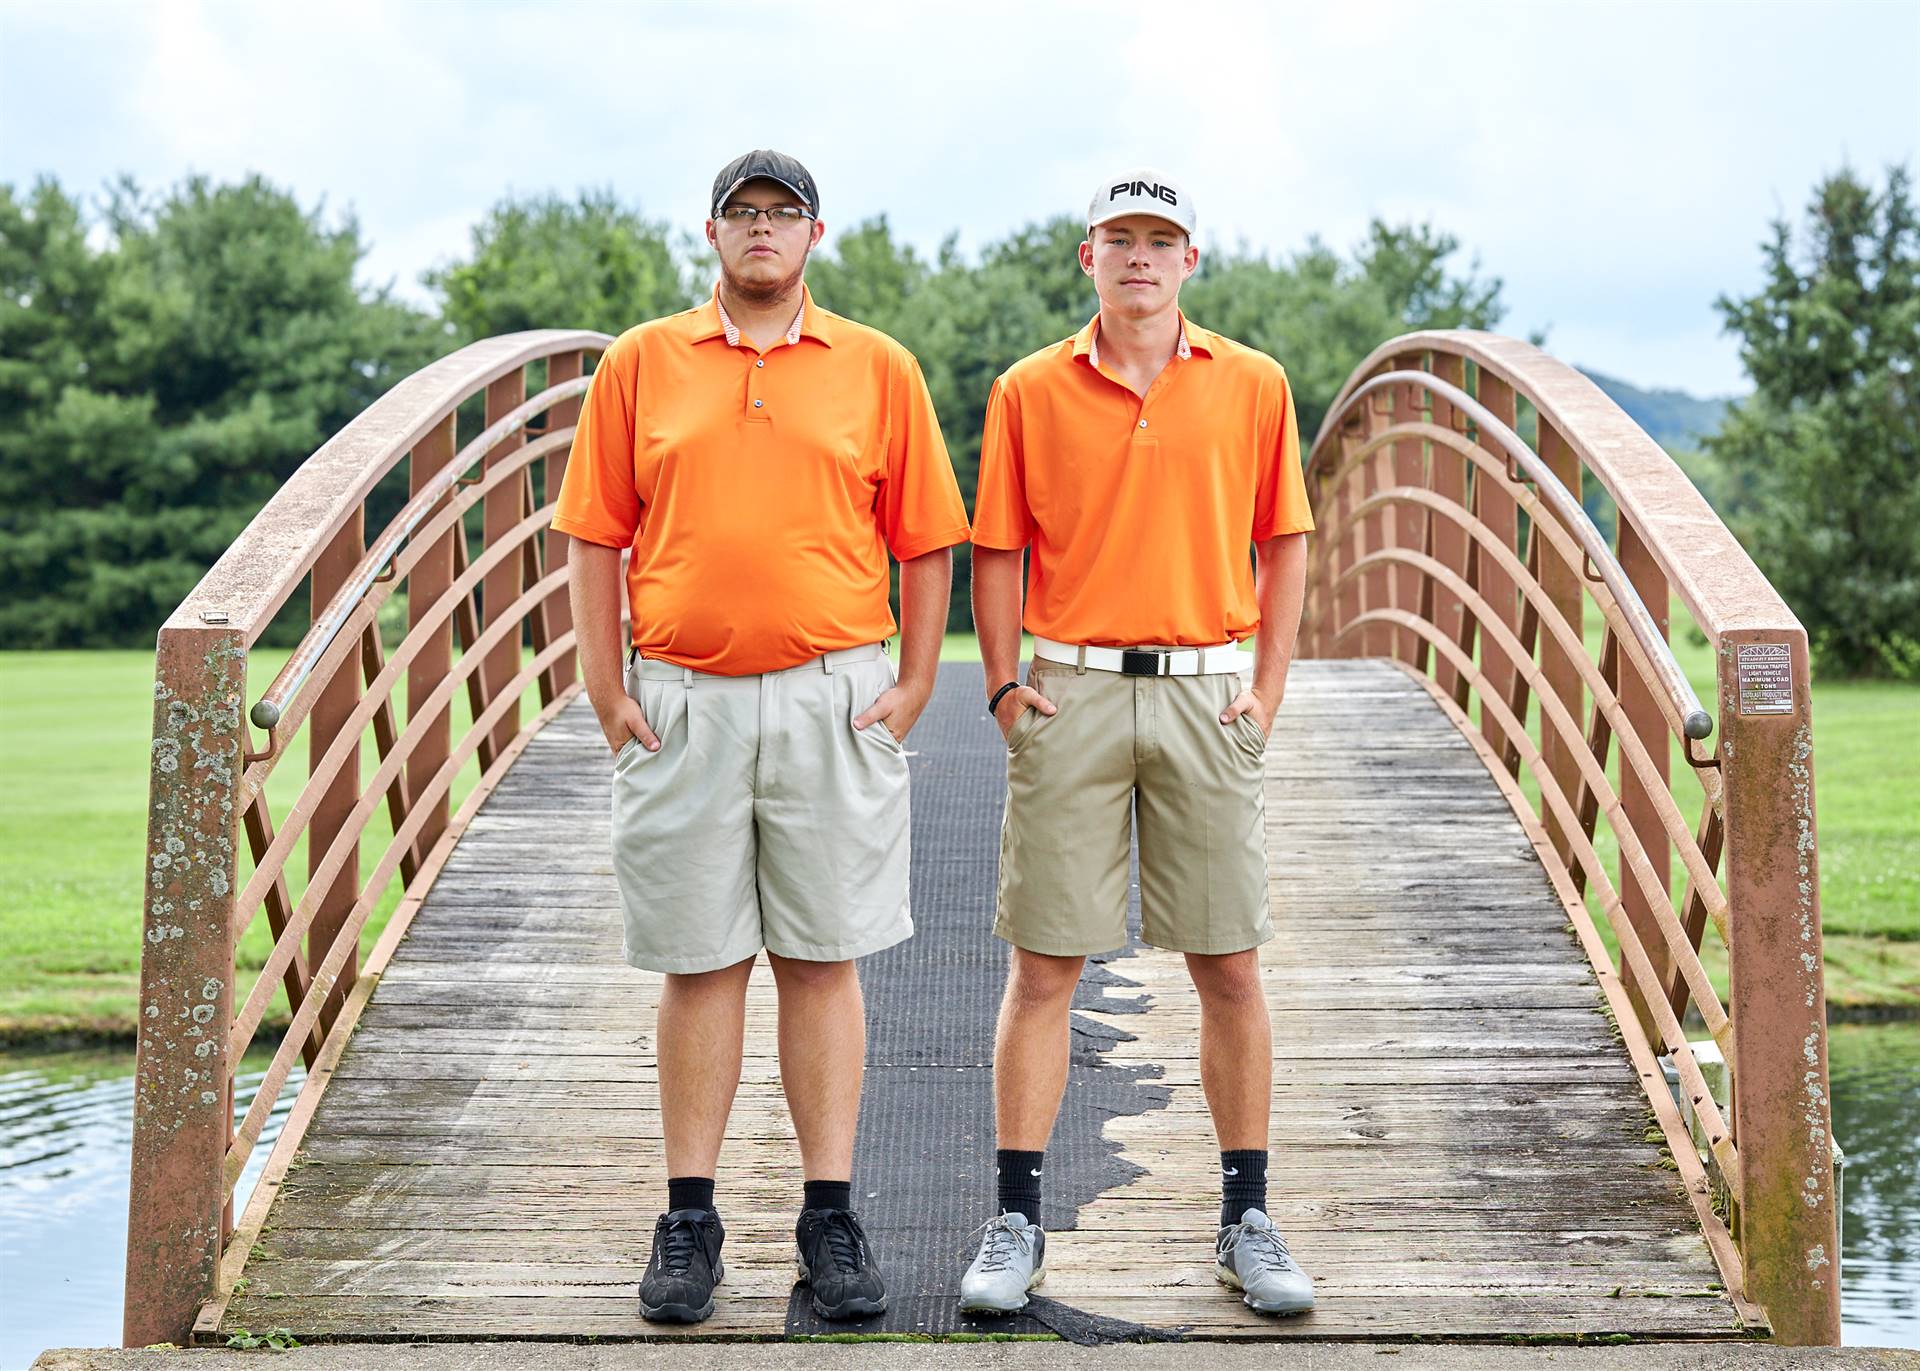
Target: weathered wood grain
<point x="1459" y="1145"/>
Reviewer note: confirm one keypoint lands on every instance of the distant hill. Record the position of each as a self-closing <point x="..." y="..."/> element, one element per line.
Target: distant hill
<point x="1672" y="418"/>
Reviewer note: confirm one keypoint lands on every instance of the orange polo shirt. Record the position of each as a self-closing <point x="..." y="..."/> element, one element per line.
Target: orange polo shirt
<point x="1140" y="512"/>
<point x="760" y="492"/>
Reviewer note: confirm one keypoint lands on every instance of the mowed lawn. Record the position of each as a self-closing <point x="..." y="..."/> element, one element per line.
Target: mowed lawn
<point x="75" y="729"/>
<point x="1866" y="740"/>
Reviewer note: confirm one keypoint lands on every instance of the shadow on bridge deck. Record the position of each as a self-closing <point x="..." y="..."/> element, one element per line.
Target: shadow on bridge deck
<point x="1460" y="1147"/>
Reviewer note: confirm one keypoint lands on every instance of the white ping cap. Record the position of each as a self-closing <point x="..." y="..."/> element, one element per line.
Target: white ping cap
<point x="1142" y="190"/>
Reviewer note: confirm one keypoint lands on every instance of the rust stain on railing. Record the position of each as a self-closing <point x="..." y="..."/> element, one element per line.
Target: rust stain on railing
<point x="1414" y="472"/>
<point x="208" y="785"/>
<point x="1422" y="478"/>
<point x="182" y="1076"/>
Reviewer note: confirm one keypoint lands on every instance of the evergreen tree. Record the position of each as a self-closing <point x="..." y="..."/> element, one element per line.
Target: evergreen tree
<point x="157" y="390"/>
<point x="1827" y="451"/>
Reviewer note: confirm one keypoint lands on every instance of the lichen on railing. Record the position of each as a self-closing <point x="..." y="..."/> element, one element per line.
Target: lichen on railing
<point x="498" y="592"/>
<point x="1462" y="551"/>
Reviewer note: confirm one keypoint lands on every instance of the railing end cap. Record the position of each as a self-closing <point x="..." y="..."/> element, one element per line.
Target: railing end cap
<point x="1699" y="724"/>
<point x="265" y="714"/>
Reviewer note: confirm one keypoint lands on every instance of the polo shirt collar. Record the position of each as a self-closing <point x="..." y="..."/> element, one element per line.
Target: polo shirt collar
<point x="712" y="321"/>
<point x="1086" y="343"/>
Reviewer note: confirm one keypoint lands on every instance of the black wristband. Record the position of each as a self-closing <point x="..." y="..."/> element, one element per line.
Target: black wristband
<point x="1000" y="694"/>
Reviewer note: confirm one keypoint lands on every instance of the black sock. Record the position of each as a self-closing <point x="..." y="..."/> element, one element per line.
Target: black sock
<point x="829" y="1195"/>
<point x="1019" y="1174"/>
<point x="689" y="1192"/>
<point x="1243" y="1183"/>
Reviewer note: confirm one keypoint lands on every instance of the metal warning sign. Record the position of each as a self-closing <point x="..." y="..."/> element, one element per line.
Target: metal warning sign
<point x="1766" y="678"/>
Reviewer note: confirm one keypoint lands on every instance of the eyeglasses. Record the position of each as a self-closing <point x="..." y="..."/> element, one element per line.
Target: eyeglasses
<point x="745" y="215"/>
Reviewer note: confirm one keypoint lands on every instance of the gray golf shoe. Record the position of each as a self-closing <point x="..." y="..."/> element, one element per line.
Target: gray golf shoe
<point x="1252" y="1258"/>
<point x="1011" y="1261"/>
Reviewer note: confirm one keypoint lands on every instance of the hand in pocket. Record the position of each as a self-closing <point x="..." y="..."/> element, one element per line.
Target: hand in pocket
<point x="625" y="721"/>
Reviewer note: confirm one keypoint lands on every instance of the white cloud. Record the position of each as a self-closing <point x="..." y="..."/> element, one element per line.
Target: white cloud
<point x="1615" y="163"/>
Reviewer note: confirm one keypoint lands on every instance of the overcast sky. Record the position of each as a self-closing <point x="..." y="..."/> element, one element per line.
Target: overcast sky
<point x="1616" y="164"/>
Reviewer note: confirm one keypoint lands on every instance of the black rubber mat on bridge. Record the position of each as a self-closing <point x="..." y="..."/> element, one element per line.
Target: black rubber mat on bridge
<point x="923" y="1167"/>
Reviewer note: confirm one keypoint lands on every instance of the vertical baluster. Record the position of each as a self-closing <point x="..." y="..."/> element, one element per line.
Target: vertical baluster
<point x="332" y="707"/>
<point x="427" y="582"/>
<point x="1650" y="726"/>
<point x="1562" y="583"/>
<point x="565" y="366"/>
<point x="1409" y="469"/>
<point x="1376" y="640"/>
<point x="1501" y="516"/>
<point x="1347" y="602"/>
<point x="505" y="506"/>
<point x="386" y="733"/>
<point x="1449" y="481"/>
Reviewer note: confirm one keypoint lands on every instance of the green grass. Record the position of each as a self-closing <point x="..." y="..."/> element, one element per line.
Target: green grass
<point x="75" y="728"/>
<point x="1867" y="792"/>
<point x="74" y="734"/>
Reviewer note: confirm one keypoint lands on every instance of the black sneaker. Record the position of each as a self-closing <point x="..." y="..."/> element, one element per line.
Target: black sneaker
<point x="678" y="1286"/>
<point x="837" y="1263"/>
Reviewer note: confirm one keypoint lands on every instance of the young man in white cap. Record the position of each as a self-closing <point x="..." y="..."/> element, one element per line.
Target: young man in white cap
<point x="761" y="458"/>
<point x="1135" y="464"/>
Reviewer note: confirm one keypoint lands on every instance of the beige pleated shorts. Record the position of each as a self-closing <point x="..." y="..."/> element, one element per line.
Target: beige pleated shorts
<point x="765" y="820"/>
<point x="1126" y="751"/>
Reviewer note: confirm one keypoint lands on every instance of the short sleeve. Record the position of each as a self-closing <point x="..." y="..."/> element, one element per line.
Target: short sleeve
<point x="920" y="506"/>
<point x="598" y="502"/>
<point x="1001" y="517"/>
<point x="1280" y="499"/>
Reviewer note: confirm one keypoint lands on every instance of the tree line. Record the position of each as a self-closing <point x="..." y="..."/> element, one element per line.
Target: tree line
<point x="167" y="360"/>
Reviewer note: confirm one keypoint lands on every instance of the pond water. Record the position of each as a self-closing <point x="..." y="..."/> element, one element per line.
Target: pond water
<point x="66" y="1130"/>
<point x="66" y="1136"/>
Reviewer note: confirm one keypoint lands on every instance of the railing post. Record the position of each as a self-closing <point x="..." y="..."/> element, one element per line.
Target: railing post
<point x="1650" y="725"/>
<point x="505" y="506"/>
<point x="180" y="1114"/>
<point x="427" y="582"/>
<point x="331" y="710"/>
<point x="565" y="366"/>
<point x="1789" y="1233"/>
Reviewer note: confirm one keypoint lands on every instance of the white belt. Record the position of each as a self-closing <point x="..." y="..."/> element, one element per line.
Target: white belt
<point x="1147" y="661"/>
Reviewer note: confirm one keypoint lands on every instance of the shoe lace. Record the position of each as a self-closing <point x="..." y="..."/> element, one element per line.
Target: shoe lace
<point x="679" y="1243"/>
<point x="1001" y="1240"/>
<point x="845" y="1243"/>
<point x="1264" y="1244"/>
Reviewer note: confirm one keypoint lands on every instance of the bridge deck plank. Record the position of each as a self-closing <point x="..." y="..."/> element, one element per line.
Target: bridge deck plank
<point x="1460" y="1148"/>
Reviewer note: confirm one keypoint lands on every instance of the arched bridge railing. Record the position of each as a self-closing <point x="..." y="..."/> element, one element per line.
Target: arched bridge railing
<point x="1447" y="481"/>
<point x="481" y="570"/>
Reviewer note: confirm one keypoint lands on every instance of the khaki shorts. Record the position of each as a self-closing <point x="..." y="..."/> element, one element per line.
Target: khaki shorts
<point x="764" y="820"/>
<point x="1127" y="750"/>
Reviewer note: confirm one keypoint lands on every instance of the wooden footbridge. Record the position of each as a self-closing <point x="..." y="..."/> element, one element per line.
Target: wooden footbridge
<point x="1511" y="854"/>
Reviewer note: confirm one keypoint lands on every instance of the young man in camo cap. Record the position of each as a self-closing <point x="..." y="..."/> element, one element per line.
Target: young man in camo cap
<point x="1135" y="464"/>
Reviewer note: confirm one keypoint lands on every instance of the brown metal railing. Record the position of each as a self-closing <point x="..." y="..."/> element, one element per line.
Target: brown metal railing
<point x="1458" y="550"/>
<point x="209" y="780"/>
